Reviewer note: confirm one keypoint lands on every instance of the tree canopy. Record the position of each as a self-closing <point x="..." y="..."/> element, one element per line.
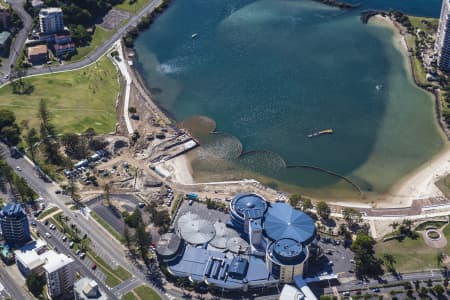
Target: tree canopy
<point x="9" y="130"/>
<point x="366" y="262"/>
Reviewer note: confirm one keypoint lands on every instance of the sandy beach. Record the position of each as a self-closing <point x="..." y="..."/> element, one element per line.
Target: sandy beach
<point x="180" y="169"/>
<point x="420" y="183"/>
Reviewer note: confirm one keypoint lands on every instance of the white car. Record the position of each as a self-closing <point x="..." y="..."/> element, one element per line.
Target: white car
<point x="18" y="168"/>
<point x="48" y="235"/>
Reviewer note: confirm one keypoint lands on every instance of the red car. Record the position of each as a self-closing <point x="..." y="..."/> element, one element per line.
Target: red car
<point x="94" y="266"/>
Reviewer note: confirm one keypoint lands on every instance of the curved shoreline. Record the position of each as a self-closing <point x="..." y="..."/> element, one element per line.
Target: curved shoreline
<point x="414" y="185"/>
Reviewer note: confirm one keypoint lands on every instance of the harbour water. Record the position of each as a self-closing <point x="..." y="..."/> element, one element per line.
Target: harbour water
<point x="271" y="72"/>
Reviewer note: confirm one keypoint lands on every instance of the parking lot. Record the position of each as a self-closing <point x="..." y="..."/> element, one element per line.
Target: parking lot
<point x="56" y="237"/>
<point x="337" y="259"/>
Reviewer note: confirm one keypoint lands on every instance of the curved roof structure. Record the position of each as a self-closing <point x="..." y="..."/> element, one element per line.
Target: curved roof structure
<point x="186" y="218"/>
<point x="237" y="244"/>
<point x="197" y="232"/>
<point x="223" y="234"/>
<point x="250" y="205"/>
<point x="168" y="244"/>
<point x="282" y="221"/>
<point x="287" y="252"/>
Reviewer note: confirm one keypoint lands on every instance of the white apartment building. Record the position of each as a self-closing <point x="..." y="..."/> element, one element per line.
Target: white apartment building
<point x="51" y="20"/>
<point x="60" y="275"/>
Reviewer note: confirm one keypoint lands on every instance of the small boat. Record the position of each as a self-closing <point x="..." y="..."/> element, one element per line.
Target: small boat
<point x="194" y="35"/>
<point x="317" y="133"/>
<point x="379" y="87"/>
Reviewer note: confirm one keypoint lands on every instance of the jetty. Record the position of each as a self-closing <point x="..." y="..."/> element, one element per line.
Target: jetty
<point x="317" y="133"/>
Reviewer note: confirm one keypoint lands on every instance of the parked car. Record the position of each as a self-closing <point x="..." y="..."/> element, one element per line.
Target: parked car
<point x="82" y="255"/>
<point x="94" y="266"/>
<point x="376" y="290"/>
<point x="48" y="235"/>
<point x="71" y="244"/>
<point x="346" y="294"/>
<point x="78" y="251"/>
<point x="64" y="238"/>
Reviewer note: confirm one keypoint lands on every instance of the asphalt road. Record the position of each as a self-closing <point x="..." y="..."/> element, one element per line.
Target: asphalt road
<point x="100" y="240"/>
<point x="11" y="286"/>
<point x="64" y="248"/>
<point x="20" y="38"/>
<point x="90" y="58"/>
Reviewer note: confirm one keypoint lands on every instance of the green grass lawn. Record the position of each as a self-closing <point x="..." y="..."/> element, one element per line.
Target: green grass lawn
<point x="413" y="255"/>
<point x="47" y="212"/>
<point x="99" y="37"/>
<point x="129" y="296"/>
<point x="105" y="225"/>
<point x="146" y="293"/>
<point x="417" y="23"/>
<point x="132" y="8"/>
<point x="77" y="100"/>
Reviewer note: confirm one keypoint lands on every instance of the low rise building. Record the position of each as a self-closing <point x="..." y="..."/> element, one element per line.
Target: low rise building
<point x="38" y="54"/>
<point x="32" y="257"/>
<point x="87" y="289"/>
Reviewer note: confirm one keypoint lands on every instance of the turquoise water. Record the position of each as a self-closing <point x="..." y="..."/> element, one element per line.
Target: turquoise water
<point x="271" y="72"/>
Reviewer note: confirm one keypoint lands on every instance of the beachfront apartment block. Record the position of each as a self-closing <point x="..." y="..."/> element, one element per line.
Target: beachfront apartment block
<point x="60" y="275"/>
<point x="51" y="20"/>
<point x="442" y="46"/>
<point x="14" y="225"/>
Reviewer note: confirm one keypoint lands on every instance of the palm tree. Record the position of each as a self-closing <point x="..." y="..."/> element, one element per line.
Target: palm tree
<point x="394" y="225"/>
<point x="408" y="223"/>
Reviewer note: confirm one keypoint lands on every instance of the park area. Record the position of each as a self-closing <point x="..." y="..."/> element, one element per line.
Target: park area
<point x="77" y="100"/>
<point x="132" y="7"/>
<point x="143" y="293"/>
<point x="414" y="254"/>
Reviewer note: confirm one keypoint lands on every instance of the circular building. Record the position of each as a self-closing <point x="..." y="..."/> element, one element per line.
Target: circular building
<point x="169" y="246"/>
<point x="246" y="206"/>
<point x="285" y="259"/>
<point x="197" y="232"/>
<point x="282" y="221"/>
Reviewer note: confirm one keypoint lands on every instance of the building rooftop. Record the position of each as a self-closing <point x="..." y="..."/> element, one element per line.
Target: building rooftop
<point x="87" y="288"/>
<point x="4" y="37"/>
<point x="50" y="10"/>
<point x="57" y="261"/>
<point x="283" y="221"/>
<point x="287" y="252"/>
<point x="13" y="210"/>
<point x="33" y="254"/>
<point x="249" y="205"/>
<point x="168" y="244"/>
<point x="38" y="50"/>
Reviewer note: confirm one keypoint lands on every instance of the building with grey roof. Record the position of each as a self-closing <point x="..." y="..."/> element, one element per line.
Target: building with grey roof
<point x="269" y="246"/>
<point x="87" y="289"/>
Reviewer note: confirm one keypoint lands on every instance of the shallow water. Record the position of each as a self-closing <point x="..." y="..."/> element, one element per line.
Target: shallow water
<point x="271" y="72"/>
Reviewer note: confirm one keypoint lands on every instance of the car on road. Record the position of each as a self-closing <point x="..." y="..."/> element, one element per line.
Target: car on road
<point x="346" y="294"/>
<point x="48" y="235"/>
<point x="18" y="168"/>
<point x="141" y="204"/>
<point x="58" y="192"/>
<point x="94" y="266"/>
<point x="376" y="290"/>
<point x="33" y="223"/>
<point x="46" y="222"/>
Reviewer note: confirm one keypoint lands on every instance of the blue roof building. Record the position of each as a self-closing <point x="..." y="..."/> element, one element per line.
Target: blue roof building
<point x="14" y="225"/>
<point x="272" y="249"/>
<point x="283" y="221"/>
